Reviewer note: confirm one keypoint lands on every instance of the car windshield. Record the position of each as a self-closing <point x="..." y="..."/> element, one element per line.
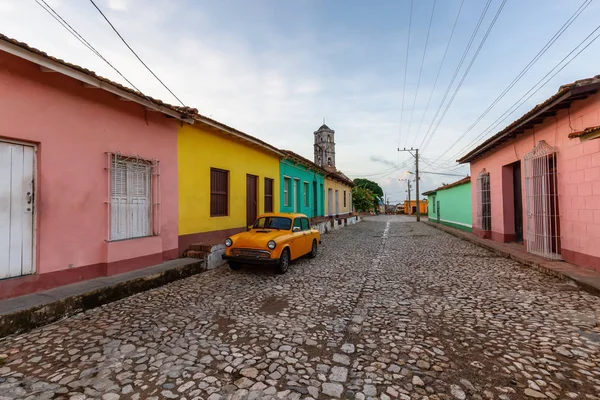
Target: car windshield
<point x="273" y="223"/>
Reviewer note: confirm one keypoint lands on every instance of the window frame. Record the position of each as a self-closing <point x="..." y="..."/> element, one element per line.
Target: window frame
<point x="125" y="225"/>
<point x="305" y="188"/>
<point x="345" y="199"/>
<point x="286" y="191"/>
<point x="269" y="197"/>
<point x="216" y="213"/>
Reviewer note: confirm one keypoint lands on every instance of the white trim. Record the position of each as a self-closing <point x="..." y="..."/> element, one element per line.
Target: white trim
<point x="456" y="223"/>
<point x="49" y="64"/>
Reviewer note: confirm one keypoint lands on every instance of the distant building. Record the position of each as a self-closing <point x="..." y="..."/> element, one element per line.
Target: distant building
<point x="451" y="205"/>
<point x="411" y="207"/>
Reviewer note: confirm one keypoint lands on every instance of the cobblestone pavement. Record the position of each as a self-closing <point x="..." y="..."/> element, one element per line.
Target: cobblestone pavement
<point x="389" y="309"/>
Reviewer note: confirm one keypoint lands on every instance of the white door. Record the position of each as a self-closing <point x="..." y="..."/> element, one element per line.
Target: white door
<point x="16" y="210"/>
<point x="337" y="203"/>
<point x="330" y="202"/>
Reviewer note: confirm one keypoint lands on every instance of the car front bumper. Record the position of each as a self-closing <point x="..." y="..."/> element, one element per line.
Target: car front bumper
<point x="251" y="260"/>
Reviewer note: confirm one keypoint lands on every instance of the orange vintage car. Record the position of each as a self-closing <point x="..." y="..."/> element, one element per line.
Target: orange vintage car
<point x="274" y="239"/>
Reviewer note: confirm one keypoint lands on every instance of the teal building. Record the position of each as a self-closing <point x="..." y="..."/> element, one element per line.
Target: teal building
<point x="452" y="205"/>
<point x="302" y="186"/>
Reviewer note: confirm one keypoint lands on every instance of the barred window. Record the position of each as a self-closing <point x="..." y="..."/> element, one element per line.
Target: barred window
<point x="305" y="194"/>
<point x="484" y="203"/>
<point x="219" y="192"/>
<point x="132" y="208"/>
<point x="268" y="195"/>
<point x="344" y="199"/>
<point x="286" y="191"/>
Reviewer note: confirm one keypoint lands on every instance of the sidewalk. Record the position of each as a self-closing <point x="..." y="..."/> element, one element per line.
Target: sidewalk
<point x="587" y="279"/>
<point x="24" y="313"/>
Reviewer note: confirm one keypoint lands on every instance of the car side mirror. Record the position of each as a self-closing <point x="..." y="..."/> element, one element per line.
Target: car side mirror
<point x="296" y="229"/>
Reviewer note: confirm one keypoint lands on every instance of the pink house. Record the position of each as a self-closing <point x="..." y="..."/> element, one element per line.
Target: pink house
<point x="88" y="174"/>
<point x="538" y="180"/>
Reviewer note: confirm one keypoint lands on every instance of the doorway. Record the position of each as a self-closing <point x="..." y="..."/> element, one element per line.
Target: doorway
<point x="296" y="195"/>
<point x="16" y="209"/>
<point x="315" y="203"/>
<point x="330" y="201"/>
<point x="518" y="201"/>
<point x="251" y="199"/>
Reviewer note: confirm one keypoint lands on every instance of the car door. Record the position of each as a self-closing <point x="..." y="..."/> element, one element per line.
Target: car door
<point x="307" y="236"/>
<point x="297" y="243"/>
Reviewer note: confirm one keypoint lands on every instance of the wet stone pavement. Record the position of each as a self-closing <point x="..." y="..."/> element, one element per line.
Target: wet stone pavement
<point x="389" y="309"/>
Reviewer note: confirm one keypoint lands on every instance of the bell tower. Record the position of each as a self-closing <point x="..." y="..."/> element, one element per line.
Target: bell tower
<point x="325" y="147"/>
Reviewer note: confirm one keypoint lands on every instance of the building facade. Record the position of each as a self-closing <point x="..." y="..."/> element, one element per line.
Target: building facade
<point x="88" y="181"/>
<point x="452" y="205"/>
<point x="537" y="181"/>
<point x="226" y="179"/>
<point x="338" y="195"/>
<point x="410" y="207"/>
<point x="302" y="186"/>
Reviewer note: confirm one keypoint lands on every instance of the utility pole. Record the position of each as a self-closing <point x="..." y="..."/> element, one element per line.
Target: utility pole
<point x="416" y="156"/>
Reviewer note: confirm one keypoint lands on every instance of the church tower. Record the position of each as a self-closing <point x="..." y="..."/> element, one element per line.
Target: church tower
<point x="325" y="147"/>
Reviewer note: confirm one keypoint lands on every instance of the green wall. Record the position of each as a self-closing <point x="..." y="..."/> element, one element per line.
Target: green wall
<point x="455" y="206"/>
<point x="294" y="171"/>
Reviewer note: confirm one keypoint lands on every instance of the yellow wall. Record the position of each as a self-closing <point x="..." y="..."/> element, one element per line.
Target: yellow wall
<point x="199" y="150"/>
<point x="413" y="203"/>
<point x="336" y="185"/>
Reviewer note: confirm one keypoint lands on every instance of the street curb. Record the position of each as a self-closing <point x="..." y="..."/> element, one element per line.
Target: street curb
<point x="582" y="281"/>
<point x="27" y="319"/>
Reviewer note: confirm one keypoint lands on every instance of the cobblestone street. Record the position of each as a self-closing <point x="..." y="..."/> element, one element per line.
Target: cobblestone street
<point x="389" y="309"/>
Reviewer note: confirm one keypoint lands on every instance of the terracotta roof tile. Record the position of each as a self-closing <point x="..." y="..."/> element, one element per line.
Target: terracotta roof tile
<point x="584" y="132"/>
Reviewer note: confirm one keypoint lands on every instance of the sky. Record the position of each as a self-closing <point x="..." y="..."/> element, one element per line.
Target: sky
<point x="277" y="69"/>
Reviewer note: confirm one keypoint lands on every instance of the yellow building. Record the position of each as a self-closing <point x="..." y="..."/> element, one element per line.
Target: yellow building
<point x="338" y="194"/>
<point x="411" y="208"/>
<point x="226" y="179"/>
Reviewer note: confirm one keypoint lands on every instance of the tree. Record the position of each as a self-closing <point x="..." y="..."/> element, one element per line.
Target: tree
<point x="373" y="187"/>
<point x="362" y="198"/>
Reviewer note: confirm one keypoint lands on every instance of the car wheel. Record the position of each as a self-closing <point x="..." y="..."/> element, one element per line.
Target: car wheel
<point x="284" y="262"/>
<point x="314" y="249"/>
<point x="234" y="266"/>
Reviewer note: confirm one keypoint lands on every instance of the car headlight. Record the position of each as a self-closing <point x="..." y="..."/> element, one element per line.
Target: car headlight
<point x="228" y="242"/>
<point x="271" y="245"/>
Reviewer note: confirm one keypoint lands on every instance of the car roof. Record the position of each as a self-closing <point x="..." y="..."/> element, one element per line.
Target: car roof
<point x="286" y="215"/>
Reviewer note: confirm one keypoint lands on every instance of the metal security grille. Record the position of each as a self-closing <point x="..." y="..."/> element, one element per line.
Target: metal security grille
<point x="484" y="201"/>
<point x="134" y="197"/>
<point x="541" y="197"/>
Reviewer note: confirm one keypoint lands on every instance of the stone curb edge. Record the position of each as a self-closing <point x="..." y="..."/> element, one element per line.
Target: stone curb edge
<point x="593" y="289"/>
<point x="25" y="320"/>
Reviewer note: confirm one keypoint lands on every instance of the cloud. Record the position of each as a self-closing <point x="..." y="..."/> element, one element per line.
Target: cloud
<point x="119" y="5"/>
<point x="383" y="161"/>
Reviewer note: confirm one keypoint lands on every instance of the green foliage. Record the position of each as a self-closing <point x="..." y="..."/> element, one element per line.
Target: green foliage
<point x="372" y="187"/>
<point x="362" y="198"/>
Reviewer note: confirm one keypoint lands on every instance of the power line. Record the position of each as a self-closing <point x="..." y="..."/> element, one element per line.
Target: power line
<point x="420" y="73"/>
<point x="405" y="70"/>
<point x="456" y="90"/>
<point x="439" y="71"/>
<point x="135" y="54"/>
<point x="540" y="53"/>
<point x="87" y="44"/>
<point x="531" y="92"/>
<point x="464" y="55"/>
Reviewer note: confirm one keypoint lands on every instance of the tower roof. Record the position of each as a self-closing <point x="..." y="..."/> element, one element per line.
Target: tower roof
<point x="324" y="127"/>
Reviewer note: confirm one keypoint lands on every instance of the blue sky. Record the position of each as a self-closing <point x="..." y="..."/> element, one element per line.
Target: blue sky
<point x="275" y="69"/>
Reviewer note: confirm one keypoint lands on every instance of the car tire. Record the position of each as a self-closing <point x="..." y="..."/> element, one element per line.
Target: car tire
<point x="314" y="249"/>
<point x="234" y="266"/>
<point x="284" y="262"/>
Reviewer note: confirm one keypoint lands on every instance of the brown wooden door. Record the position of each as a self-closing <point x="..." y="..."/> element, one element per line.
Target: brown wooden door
<point x="251" y="199"/>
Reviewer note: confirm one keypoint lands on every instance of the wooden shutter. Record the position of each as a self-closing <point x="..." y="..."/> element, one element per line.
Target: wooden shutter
<point x="268" y="195"/>
<point x="219" y="188"/>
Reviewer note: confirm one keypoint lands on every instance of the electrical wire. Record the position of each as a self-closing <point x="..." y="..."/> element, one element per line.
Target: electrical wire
<point x="540" y="53"/>
<point x="420" y="73"/>
<point x="439" y="71"/>
<point x="531" y="92"/>
<point x="405" y="71"/>
<point x="135" y="54"/>
<point x="457" y="89"/>
<point x="87" y="44"/>
<point x="458" y="67"/>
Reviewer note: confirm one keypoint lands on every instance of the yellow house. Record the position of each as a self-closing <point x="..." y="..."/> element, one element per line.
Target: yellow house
<point x="338" y="194"/>
<point x="226" y="179"/>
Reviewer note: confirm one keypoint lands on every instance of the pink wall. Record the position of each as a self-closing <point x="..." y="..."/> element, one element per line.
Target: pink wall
<point x="74" y="127"/>
<point x="578" y="165"/>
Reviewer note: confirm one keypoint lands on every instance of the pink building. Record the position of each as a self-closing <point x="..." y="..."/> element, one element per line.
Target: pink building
<point x="538" y="180"/>
<point x="88" y="174"/>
